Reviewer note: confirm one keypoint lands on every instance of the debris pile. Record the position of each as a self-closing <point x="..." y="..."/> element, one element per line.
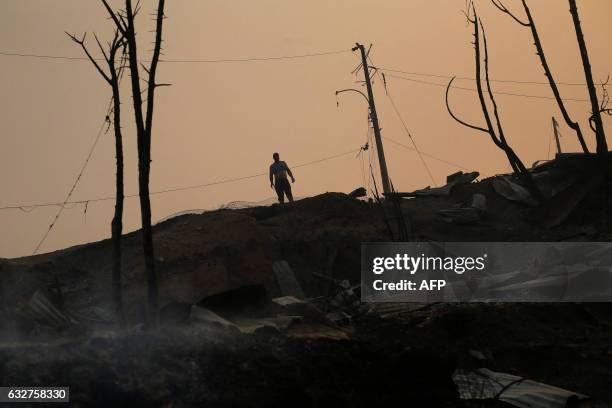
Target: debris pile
<point x="263" y="304"/>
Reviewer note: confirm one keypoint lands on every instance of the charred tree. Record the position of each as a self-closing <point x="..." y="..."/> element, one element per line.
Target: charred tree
<point x="495" y="131"/>
<point x="530" y="23"/>
<point x="143" y="115"/>
<point x="113" y="78"/>
<point x="595" y="120"/>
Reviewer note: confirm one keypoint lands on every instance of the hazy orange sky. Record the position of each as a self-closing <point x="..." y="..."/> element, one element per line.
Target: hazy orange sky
<point x="225" y="120"/>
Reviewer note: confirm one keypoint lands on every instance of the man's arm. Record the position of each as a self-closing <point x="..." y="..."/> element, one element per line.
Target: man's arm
<point x="271" y="177"/>
<point x="289" y="172"/>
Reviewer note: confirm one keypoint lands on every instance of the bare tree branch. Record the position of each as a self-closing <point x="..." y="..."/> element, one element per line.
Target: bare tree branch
<point x="515" y="162"/>
<point x="145" y="69"/>
<point x="600" y="134"/>
<point x="144" y="121"/>
<point x="113" y="78"/>
<point x="500" y="6"/>
<point x="81" y="42"/>
<point x="499" y="138"/>
<point x="133" y="65"/>
<point x="500" y="130"/>
<point x="101" y="48"/>
<point x="547" y="72"/>
<point x="483" y="103"/>
<point x="137" y="8"/>
<point x="603" y="107"/>
<point x="154" y="62"/>
<point x="115" y="17"/>
<point x="455" y="117"/>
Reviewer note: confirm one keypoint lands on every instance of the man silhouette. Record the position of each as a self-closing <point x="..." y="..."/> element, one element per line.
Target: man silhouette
<point x="278" y="179"/>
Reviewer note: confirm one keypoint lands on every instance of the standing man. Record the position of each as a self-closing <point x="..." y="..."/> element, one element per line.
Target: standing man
<point x="278" y="179"/>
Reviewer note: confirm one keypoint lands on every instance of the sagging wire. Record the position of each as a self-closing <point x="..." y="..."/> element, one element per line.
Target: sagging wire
<point x="384" y="78"/>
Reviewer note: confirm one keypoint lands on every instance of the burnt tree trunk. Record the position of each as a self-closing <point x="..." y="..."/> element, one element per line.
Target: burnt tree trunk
<point x="515" y="162"/>
<point x="495" y="131"/>
<point x="117" y="223"/>
<point x="143" y="129"/>
<point x="553" y="85"/>
<point x="600" y="135"/>
<point x="547" y="72"/>
<point x="125" y="23"/>
<point x="113" y="78"/>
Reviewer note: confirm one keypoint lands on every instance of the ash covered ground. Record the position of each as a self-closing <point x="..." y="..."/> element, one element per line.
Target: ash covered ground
<point x="225" y="338"/>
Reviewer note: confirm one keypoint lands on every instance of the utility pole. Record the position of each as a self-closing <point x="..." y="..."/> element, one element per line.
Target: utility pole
<point x="384" y="175"/>
<point x="555" y="125"/>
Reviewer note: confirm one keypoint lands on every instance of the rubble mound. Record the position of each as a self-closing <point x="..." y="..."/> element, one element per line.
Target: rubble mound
<point x="200" y="255"/>
<point x="260" y="307"/>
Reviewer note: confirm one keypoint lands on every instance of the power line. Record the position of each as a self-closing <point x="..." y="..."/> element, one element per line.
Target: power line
<point x="427" y="154"/>
<point x="283" y="57"/>
<point x="506" y="81"/>
<point x="259" y="59"/>
<point x="415" y="149"/>
<point x="109" y="109"/>
<point x="30" y="207"/>
<point x="397" y="113"/>
<point x="412" y="139"/>
<point x="183" y="61"/>
<point x="496" y="93"/>
<point x="327" y="158"/>
<point x="57" y="57"/>
<point x="74" y="185"/>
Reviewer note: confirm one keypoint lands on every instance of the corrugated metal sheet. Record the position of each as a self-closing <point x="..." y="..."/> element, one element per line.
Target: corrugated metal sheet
<point x="520" y="392"/>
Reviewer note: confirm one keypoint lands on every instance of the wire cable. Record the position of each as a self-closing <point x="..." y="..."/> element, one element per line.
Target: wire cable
<point x="397" y="113"/>
<point x="64" y="204"/>
<point x="496" y="93"/>
<point x="399" y="116"/>
<point x="183" y="61"/>
<point x="284" y="57"/>
<point x="427" y="154"/>
<point x="412" y="139"/>
<point x="74" y="185"/>
<point x="505" y="81"/>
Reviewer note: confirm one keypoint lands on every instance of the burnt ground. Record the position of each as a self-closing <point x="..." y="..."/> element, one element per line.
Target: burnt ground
<point x="406" y="359"/>
<point x="380" y="355"/>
